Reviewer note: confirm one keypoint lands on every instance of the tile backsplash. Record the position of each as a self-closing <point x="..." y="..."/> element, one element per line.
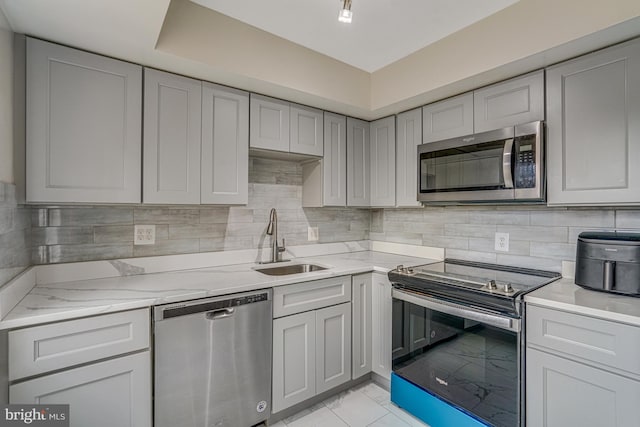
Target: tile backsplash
<point x="539" y="237"/>
<point x="15" y="231"/>
<point x="71" y="233"/>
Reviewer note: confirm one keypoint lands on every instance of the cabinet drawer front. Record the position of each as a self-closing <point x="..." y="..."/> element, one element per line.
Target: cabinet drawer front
<point x="307" y="296"/>
<point x="40" y="349"/>
<point x="112" y="393"/>
<point x="600" y="341"/>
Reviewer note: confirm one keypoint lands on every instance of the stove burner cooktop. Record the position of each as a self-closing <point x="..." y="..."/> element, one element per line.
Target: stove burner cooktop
<point x="487" y="285"/>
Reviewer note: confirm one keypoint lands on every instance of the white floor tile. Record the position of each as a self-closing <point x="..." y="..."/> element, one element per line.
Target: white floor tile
<point x="375" y="392"/>
<point x="404" y="415"/>
<point x="322" y="417"/>
<point x="389" y="420"/>
<point x="303" y="413"/>
<point x="356" y="408"/>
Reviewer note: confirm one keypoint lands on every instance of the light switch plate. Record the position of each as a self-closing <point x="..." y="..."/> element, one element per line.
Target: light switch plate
<point x="312" y="234"/>
<point x="144" y="234"/>
<point x="502" y="242"/>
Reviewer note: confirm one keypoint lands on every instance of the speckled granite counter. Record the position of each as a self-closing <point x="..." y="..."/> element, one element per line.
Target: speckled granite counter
<point x="51" y="302"/>
<point x="565" y="295"/>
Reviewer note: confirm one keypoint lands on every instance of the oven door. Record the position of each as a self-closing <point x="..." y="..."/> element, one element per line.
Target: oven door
<point x="467" y="357"/>
<point x="473" y="168"/>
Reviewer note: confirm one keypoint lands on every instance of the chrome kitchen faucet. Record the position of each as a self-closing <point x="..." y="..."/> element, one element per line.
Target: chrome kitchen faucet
<point x="272" y="230"/>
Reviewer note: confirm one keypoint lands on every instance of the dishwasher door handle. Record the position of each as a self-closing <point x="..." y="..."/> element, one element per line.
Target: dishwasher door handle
<point x="220" y="314"/>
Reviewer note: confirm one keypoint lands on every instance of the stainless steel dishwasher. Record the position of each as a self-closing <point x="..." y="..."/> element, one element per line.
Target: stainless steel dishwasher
<point x="213" y="361"/>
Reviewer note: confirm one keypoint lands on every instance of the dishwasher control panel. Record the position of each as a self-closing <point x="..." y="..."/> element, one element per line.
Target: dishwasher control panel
<point x="175" y="310"/>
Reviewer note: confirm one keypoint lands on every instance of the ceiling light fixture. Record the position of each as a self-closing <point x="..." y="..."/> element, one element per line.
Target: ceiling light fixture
<point x="345" y="13"/>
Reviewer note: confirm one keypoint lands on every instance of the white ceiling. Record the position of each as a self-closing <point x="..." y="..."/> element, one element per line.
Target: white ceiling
<point x="382" y="31"/>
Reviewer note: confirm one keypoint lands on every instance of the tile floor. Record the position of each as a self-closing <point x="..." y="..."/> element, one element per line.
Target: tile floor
<point x="365" y="405"/>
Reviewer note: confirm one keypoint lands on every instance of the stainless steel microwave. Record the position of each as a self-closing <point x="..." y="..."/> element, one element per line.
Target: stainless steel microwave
<point x="505" y="165"/>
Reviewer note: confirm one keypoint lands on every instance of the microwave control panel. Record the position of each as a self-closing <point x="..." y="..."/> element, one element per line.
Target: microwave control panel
<point x="525" y="162"/>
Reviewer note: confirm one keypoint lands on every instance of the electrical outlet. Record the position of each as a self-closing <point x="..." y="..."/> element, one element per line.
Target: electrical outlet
<point x="502" y="242"/>
<point x="144" y="235"/>
<point x="312" y="234"/>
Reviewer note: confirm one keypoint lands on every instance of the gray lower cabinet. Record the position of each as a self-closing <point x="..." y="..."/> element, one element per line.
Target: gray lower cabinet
<point x="593" y="125"/>
<point x="381" y="325"/>
<point x="581" y="370"/>
<point x="106" y="394"/>
<point x="311" y="339"/>
<point x="515" y="101"/>
<point x="449" y="118"/>
<point x="383" y="162"/>
<point x="408" y="137"/>
<point x="362" y="321"/>
<point x="311" y="354"/>
<point x="562" y="392"/>
<point x="172" y="133"/>
<point x="100" y="366"/>
<point x="84" y="126"/>
<point x="358" y="163"/>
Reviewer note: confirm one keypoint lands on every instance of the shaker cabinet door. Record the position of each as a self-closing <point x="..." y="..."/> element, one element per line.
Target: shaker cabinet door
<point x="593" y="127"/>
<point x="358" y="163"/>
<point x="106" y="394"/>
<point x="561" y="392"/>
<point x="269" y="123"/>
<point x="383" y="162"/>
<point x="334" y="162"/>
<point x="515" y="101"/>
<point x="408" y="137"/>
<point x="381" y="328"/>
<point x="294" y="359"/>
<point x="333" y="346"/>
<point x="84" y="119"/>
<point x="361" y="305"/>
<point x="449" y="118"/>
<point x="306" y="131"/>
<point x="225" y="146"/>
<point x="172" y="131"/>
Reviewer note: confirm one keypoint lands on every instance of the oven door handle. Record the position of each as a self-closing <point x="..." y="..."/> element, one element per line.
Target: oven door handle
<point x="502" y="322"/>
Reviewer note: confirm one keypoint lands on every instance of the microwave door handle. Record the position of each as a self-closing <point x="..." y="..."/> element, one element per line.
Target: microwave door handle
<point x="507" y="154"/>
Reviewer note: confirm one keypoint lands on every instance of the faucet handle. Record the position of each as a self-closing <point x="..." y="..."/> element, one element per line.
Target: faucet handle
<point x="282" y="248"/>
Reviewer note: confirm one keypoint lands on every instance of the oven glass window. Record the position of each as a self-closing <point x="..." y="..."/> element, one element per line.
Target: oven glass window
<point x="473" y="167"/>
<point x="471" y="365"/>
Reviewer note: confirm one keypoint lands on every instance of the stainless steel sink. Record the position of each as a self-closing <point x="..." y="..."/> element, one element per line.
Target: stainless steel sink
<point x="283" y="270"/>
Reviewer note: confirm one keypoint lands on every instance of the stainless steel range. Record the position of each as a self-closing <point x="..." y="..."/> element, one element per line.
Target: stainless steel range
<point x="458" y="336"/>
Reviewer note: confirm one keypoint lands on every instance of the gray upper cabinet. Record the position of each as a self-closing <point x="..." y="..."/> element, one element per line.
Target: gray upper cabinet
<point x="515" y="101"/>
<point x="84" y="119"/>
<point x="383" y="162"/>
<point x="408" y="137"/>
<point x="334" y="167"/>
<point x="269" y="123"/>
<point x="306" y="131"/>
<point x="358" y="163"/>
<point x="448" y="118"/>
<point x="225" y="146"/>
<point x="593" y="109"/>
<point x="172" y="131"/>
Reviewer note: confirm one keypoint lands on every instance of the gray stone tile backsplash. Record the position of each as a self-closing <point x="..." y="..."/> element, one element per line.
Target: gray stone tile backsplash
<point x="15" y="234"/>
<point x="539" y="237"/>
<point x="67" y="234"/>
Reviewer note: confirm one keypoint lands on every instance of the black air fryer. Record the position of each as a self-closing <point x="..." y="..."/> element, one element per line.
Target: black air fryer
<point x="609" y="262"/>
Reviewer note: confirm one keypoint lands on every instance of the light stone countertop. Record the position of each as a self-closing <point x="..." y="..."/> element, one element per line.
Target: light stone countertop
<point x="564" y="295"/>
<point x="67" y="300"/>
